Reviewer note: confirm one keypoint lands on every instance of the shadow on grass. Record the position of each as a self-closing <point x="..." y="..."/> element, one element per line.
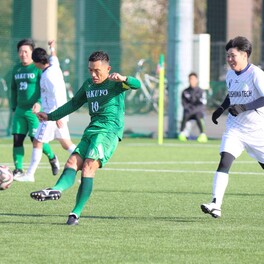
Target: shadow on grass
<point x="128" y="218"/>
<point x="146" y="218"/>
<point x="177" y="192"/>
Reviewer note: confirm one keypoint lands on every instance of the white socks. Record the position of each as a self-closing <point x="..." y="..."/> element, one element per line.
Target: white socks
<point x="35" y="160"/>
<point x="71" y="148"/>
<point x="219" y="186"/>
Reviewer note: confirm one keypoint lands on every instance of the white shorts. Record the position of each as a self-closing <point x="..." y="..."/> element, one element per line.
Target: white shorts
<point x="235" y="141"/>
<point x="48" y="131"/>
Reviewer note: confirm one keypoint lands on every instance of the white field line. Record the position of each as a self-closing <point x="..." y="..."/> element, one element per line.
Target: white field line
<point x="144" y="145"/>
<point x="47" y="166"/>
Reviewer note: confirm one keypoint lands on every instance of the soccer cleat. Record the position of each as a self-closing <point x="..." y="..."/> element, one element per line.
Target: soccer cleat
<point x="17" y="173"/>
<point x="45" y="195"/>
<point x="182" y="137"/>
<point x="55" y="165"/>
<point x="25" y="178"/>
<point x="202" y="138"/>
<point x="212" y="209"/>
<point x="72" y="219"/>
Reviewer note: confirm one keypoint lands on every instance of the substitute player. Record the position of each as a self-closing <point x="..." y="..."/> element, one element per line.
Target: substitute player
<point x="105" y="95"/>
<point x="245" y="121"/>
<point x="193" y="102"/>
<point x="25" y="102"/>
<point x="53" y="95"/>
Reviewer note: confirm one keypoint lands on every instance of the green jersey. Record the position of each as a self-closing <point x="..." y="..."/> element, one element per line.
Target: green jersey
<point x="106" y="103"/>
<point x="25" y="86"/>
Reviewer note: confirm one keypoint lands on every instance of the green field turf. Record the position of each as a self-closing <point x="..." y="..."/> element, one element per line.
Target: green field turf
<point x="145" y="208"/>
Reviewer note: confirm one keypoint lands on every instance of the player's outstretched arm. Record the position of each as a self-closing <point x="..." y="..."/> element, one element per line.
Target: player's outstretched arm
<point x="130" y="81"/>
<point x="42" y="116"/>
<point x="117" y="77"/>
<point x="51" y="44"/>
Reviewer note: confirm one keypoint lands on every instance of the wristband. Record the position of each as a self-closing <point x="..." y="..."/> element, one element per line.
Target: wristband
<point x="52" y="49"/>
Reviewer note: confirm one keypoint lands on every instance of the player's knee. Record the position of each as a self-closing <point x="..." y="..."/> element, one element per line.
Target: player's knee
<point x="75" y="162"/>
<point x="18" y="140"/>
<point x="225" y="162"/>
<point x="89" y="167"/>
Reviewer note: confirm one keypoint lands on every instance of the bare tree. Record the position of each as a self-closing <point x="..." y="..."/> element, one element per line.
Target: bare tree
<point x="200" y="16"/>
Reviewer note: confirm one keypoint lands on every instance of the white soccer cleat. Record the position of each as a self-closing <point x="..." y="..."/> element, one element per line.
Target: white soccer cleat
<point x="17" y="172"/>
<point x="212" y="209"/>
<point x="25" y="178"/>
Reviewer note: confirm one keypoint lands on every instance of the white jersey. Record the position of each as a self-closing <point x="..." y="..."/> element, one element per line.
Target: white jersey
<point x="53" y="89"/>
<point x="242" y="89"/>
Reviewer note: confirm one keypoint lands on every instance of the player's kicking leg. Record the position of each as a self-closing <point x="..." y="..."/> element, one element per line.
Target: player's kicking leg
<point x="65" y="181"/>
<point x="45" y="195"/>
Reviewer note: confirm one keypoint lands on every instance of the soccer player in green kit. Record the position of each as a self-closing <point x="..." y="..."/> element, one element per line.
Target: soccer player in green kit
<point x="25" y="102"/>
<point x="104" y="93"/>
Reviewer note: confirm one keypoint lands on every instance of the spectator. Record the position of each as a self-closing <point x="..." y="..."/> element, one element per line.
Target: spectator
<point x="193" y="101"/>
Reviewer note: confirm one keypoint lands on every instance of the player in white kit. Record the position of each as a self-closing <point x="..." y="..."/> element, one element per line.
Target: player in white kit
<point x="53" y="95"/>
<point x="245" y="121"/>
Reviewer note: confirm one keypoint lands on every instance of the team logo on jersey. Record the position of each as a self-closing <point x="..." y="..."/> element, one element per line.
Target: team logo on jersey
<point x="22" y="76"/>
<point x="230" y="82"/>
<point x="96" y="93"/>
<point x="244" y="92"/>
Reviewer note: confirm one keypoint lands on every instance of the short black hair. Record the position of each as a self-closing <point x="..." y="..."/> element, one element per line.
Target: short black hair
<point x="241" y="43"/>
<point x="193" y="74"/>
<point x="27" y="42"/>
<point x="40" y="55"/>
<point x="99" y="56"/>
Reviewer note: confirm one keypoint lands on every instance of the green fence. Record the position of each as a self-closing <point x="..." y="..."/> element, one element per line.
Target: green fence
<point x="106" y="27"/>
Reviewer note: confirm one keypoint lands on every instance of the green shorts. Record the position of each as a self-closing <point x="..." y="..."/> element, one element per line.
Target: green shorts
<point x="97" y="146"/>
<point x="24" y="122"/>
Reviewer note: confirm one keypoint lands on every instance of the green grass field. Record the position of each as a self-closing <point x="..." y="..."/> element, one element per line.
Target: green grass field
<point x="145" y="208"/>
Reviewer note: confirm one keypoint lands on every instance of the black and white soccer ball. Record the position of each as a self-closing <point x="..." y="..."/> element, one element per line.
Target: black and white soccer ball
<point x="6" y="177"/>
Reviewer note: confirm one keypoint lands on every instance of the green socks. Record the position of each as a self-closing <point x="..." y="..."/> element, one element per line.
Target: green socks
<point x="48" y="151"/>
<point x="19" y="152"/>
<point x="66" y="180"/>
<point x="84" y="192"/>
<point x="18" y="156"/>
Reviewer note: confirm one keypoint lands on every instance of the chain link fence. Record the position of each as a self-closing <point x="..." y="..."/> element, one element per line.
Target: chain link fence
<point x="129" y="55"/>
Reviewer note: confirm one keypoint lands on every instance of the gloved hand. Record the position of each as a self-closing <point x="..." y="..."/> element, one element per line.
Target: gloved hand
<point x="236" y="109"/>
<point x="217" y="113"/>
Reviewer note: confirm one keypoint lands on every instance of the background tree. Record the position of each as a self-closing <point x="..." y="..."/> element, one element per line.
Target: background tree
<point x="144" y="31"/>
